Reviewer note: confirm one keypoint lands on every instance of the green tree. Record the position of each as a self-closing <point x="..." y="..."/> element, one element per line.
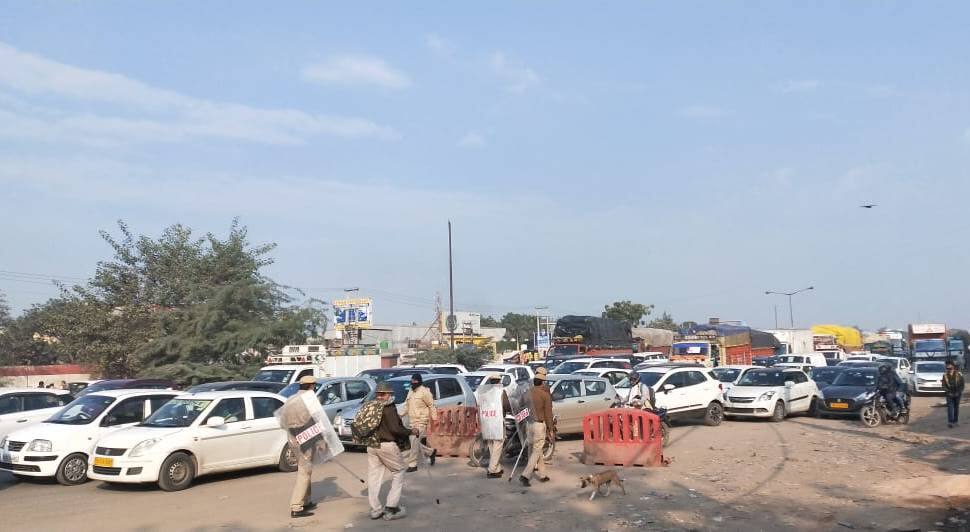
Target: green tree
<point x="5" y="317"/>
<point x="665" y="321"/>
<point x="469" y="356"/>
<point x="488" y="321"/>
<point x="627" y="311"/>
<point x="519" y="326"/>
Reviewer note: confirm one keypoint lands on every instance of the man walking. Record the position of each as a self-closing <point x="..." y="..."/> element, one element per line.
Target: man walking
<point x="541" y="427"/>
<point x="953" y="387"/>
<point x="384" y="454"/>
<point x="493" y="406"/>
<point x="420" y="410"/>
<point x="294" y="416"/>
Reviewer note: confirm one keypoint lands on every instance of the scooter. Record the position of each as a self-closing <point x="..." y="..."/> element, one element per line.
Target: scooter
<point x="876" y="412"/>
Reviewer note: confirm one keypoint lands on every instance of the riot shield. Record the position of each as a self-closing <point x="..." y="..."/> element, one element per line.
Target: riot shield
<point x="520" y="399"/>
<point x="308" y="429"/>
<point x="490" y="416"/>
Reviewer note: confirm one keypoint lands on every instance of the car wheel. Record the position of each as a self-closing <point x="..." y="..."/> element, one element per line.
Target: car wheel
<point x="870" y="416"/>
<point x="73" y="470"/>
<point x="177" y="472"/>
<point x="714" y="414"/>
<point x="779" y="412"/>
<point x="813" y="408"/>
<point x="289" y="461"/>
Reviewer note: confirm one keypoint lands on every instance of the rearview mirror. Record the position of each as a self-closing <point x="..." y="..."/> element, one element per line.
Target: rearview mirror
<point x="789" y="384"/>
<point x="668" y="387"/>
<point x="215" y="421"/>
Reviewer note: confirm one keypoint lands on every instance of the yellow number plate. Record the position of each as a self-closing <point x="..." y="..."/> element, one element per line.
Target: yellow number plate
<point x="104" y="462"/>
<point x="839" y="405"/>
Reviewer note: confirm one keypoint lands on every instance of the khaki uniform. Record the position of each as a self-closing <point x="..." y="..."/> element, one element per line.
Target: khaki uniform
<point x="420" y="410"/>
<point x="293" y="414"/>
<point x="542" y="405"/>
<point x="383" y="454"/>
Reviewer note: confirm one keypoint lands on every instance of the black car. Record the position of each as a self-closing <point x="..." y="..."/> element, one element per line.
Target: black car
<point x="826" y="376"/>
<point x="851" y="390"/>
<point x="256" y="386"/>
<point x="129" y="384"/>
<point x="382" y="374"/>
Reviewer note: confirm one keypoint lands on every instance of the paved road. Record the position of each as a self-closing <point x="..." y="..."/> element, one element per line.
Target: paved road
<point x="806" y="474"/>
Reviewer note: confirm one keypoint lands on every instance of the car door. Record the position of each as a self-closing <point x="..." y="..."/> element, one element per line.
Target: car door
<point x="123" y="414"/>
<point x="801" y="393"/>
<point x="11" y="413"/>
<point x="450" y="392"/>
<point x="674" y="400"/>
<point x="29" y="408"/>
<point x="331" y="397"/>
<point x="266" y="435"/>
<point x="227" y="445"/>
<point x="595" y="397"/>
<point x="568" y="404"/>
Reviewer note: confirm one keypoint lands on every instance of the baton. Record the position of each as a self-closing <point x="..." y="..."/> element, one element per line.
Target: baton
<point x="347" y="469"/>
<point x="512" y="474"/>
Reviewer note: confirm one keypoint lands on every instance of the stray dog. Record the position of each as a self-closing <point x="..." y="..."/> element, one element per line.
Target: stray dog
<point x="607" y="478"/>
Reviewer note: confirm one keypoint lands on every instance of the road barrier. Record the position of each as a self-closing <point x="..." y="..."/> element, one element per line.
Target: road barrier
<point x="622" y="437"/>
<point x="455" y="431"/>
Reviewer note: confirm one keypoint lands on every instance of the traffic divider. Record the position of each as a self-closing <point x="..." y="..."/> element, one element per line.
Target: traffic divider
<point x="455" y="431"/>
<point x="622" y="437"/>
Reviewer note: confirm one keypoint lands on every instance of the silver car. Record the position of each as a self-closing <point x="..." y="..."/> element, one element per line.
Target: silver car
<point x="338" y="394"/>
<point x="574" y="396"/>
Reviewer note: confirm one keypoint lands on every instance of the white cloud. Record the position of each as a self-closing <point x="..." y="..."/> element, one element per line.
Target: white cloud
<point x="702" y="111"/>
<point x="518" y="76"/>
<point x="800" y="85"/>
<point x="356" y="70"/>
<point x="472" y="139"/>
<point x="966" y="135"/>
<point x="144" y="113"/>
<point x="438" y="45"/>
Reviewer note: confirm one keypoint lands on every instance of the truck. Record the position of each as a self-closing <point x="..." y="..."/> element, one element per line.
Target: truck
<point x="590" y="336"/>
<point x="718" y="345"/>
<point x="928" y="341"/>
<point x="297" y="361"/>
<point x="794" y="340"/>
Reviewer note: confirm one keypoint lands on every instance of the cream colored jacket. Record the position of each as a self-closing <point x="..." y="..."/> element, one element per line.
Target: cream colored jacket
<point x="419" y="406"/>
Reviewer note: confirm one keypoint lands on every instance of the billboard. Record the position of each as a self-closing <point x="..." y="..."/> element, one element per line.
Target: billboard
<point x="352" y="313"/>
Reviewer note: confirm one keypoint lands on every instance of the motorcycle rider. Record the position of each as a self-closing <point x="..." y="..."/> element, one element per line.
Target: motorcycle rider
<point x="887" y="385"/>
<point x="640" y="395"/>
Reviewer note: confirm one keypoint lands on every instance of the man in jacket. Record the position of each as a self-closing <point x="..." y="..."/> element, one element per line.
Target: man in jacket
<point x="953" y="387"/>
<point x="541" y="427"/>
<point x="887" y="386"/>
<point x="420" y="410"/>
<point x="294" y="415"/>
<point x="384" y="454"/>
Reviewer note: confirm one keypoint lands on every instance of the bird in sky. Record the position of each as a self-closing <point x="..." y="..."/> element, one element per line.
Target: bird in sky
<point x="869" y="206"/>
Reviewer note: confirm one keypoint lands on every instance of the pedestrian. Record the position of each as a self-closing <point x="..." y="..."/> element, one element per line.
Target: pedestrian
<point x="953" y="386"/>
<point x="295" y="417"/>
<point x="63" y="385"/>
<point x="493" y="406"/>
<point x="420" y="411"/>
<point x="40" y="384"/>
<point x="542" y="426"/>
<point x="384" y="446"/>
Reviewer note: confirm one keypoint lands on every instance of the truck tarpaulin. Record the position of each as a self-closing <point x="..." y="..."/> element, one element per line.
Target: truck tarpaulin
<point x="848" y="337"/>
<point x="594" y="331"/>
<point x="654" y="337"/>
<point x="764" y="339"/>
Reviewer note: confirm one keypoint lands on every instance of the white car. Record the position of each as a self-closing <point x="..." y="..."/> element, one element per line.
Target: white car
<point x="773" y="393"/>
<point x="649" y="358"/>
<point x="475" y="378"/>
<point x="685" y="390"/>
<point x="577" y="364"/>
<point x="519" y="372"/>
<point x="927" y="377"/>
<point x="61" y="446"/>
<point x="611" y="374"/>
<point x="444" y="369"/>
<point x="901" y="366"/>
<point x="730" y="375"/>
<point x="23" y="407"/>
<point x="817" y="360"/>
<point x="194" y="435"/>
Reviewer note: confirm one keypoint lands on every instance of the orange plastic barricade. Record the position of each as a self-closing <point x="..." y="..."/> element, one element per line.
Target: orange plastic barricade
<point x="455" y="431"/>
<point x="622" y="437"/>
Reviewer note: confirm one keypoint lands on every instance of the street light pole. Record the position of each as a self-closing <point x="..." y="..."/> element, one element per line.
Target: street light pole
<point x="791" y="314"/>
<point x="451" y="290"/>
<point x="537" y="325"/>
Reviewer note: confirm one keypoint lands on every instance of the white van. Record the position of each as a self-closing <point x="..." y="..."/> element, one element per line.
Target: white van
<point x="807" y="359"/>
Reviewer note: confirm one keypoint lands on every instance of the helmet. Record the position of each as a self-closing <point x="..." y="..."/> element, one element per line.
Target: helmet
<point x="883" y="369"/>
<point x="634" y="376"/>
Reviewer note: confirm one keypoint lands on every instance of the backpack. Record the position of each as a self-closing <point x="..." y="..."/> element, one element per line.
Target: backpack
<point x="366" y="421"/>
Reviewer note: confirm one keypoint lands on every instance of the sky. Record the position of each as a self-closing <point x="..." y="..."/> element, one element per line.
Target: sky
<point x="691" y="155"/>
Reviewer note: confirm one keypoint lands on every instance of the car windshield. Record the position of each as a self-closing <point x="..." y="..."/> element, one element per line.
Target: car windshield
<point x="401" y="389"/>
<point x="381" y="375"/>
<point x="930" y="367"/>
<point x="856" y="377"/>
<point x="587" y="373"/>
<point x="102" y="386"/>
<point x="563" y="350"/>
<point x="825" y="374"/>
<point x="82" y="411"/>
<point x="763" y="377"/>
<point x="791" y="359"/>
<point x="568" y="367"/>
<point x="474" y="380"/>
<point x="646" y="377"/>
<point x="177" y="413"/>
<point x="726" y="374"/>
<point x="274" y="375"/>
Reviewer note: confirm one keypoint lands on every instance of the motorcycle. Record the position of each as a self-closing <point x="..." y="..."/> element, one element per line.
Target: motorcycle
<point x="876" y="411"/>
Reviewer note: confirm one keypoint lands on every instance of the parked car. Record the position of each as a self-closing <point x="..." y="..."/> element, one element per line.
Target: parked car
<point x="574" y="396"/>
<point x="75" y="387"/>
<point x="927" y="377"/>
<point x="651" y="359"/>
<point x="849" y="392"/>
<point x="519" y="372"/>
<point x="685" y="390"/>
<point x="817" y="360"/>
<point x="536" y="364"/>
<point x="23" y="407"/>
<point x="256" y="386"/>
<point x="766" y="362"/>
<point x="863" y="357"/>
<point x="337" y="394"/>
<point x="578" y="364"/>
<point x="804" y="368"/>
<point x="128" y="384"/>
<point x="728" y="376"/>
<point x="195" y="435"/>
<point x="773" y="393"/>
<point x="447" y="390"/>
<point x="611" y="374"/>
<point x="825" y="376"/>
<point x="61" y="446"/>
<point x="475" y="378"/>
<point x="900" y="365"/>
<point x="383" y="374"/>
<point x="446" y="369"/>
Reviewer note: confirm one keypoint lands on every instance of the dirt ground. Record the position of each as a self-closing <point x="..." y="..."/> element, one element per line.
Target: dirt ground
<point x="802" y="474"/>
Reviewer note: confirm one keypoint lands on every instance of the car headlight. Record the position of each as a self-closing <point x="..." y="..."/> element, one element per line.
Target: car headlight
<point x="40" y="446"/>
<point x="864" y="396"/>
<point x="143" y="447"/>
<point x="338" y="421"/>
<point x="766" y="396"/>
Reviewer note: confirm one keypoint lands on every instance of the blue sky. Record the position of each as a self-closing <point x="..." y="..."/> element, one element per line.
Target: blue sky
<point x="691" y="156"/>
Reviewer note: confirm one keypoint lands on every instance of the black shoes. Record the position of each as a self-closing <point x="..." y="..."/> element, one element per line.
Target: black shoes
<point x="525" y="482"/>
<point x="495" y="475"/>
<point x="412" y="469"/>
<point x="433" y="457"/>
<point x="544" y="479"/>
<point x="310" y="505"/>
<point x="302" y="513"/>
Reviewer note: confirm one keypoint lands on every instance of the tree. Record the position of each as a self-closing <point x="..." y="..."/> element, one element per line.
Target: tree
<point x="488" y="321"/>
<point x="519" y="326"/>
<point x="5" y="317"/>
<point x="627" y="311"/>
<point x="687" y="325"/>
<point x="665" y="321"/>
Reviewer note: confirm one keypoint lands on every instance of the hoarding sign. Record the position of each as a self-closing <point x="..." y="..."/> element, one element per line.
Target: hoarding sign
<point x="542" y="341"/>
<point x="352" y="313"/>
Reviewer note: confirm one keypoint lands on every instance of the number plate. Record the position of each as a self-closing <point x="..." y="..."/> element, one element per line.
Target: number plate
<point x="104" y="462"/>
<point x="839" y="406"/>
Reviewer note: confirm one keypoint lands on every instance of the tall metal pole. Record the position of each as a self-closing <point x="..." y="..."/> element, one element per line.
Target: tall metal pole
<point x="791" y="315"/>
<point x="776" y="316"/>
<point x="451" y="288"/>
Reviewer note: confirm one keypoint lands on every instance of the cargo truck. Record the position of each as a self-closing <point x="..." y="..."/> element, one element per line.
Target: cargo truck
<point x="718" y="345"/>
<point x="794" y="340"/>
<point x="576" y="336"/>
<point x="927" y="341"/>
